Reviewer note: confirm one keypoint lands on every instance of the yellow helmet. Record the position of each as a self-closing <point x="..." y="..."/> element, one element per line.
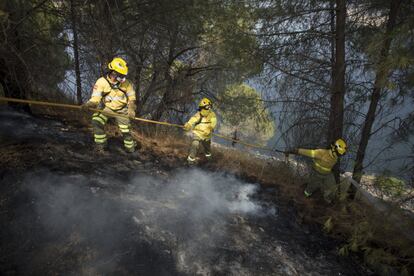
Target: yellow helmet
<point x="204" y="102"/>
<point x="118" y="65"/>
<point x="339" y="146"/>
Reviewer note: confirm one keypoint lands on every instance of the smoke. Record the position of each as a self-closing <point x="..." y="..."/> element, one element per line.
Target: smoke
<point x="79" y="227"/>
<point x="192" y="211"/>
<point x="201" y="191"/>
<point x="195" y="194"/>
<point x="186" y="214"/>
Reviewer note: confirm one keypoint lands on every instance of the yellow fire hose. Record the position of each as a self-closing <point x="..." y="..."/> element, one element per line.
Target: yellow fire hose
<point x="71" y="106"/>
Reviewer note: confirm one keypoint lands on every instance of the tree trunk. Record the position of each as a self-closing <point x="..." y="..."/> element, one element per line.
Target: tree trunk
<point x="338" y="82"/>
<point x="333" y="25"/>
<point x="163" y="105"/>
<point x="381" y="76"/>
<point x="108" y="33"/>
<point x="76" y="53"/>
<point x="336" y="117"/>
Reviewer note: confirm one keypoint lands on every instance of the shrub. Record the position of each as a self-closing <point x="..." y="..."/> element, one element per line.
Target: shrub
<point x="390" y="186"/>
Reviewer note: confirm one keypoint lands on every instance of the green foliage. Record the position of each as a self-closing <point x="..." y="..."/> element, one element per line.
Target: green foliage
<point x="382" y="245"/>
<point x="362" y="233"/>
<point x="226" y="41"/>
<point x="172" y="46"/>
<point x="390" y="186"/>
<point x="343" y="251"/>
<point x="33" y="47"/>
<point x="3" y="16"/>
<point x="381" y="259"/>
<point x="241" y="108"/>
<point x="176" y="68"/>
<point x="328" y="225"/>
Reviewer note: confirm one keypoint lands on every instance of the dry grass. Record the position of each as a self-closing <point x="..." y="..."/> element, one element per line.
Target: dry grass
<point x="360" y="226"/>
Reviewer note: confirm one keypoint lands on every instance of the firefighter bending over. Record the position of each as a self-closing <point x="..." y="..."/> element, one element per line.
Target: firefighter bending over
<point x="118" y="97"/>
<point x="202" y="124"/>
<point x="324" y="160"/>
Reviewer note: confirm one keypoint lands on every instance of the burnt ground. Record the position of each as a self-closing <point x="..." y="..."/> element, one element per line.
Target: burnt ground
<point x="65" y="210"/>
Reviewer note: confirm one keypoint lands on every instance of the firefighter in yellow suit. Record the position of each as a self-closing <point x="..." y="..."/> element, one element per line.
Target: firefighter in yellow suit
<point x="118" y="97"/>
<point x="324" y="160"/>
<point x="202" y="124"/>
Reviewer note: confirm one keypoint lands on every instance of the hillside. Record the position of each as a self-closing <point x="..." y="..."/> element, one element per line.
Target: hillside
<point x="66" y="210"/>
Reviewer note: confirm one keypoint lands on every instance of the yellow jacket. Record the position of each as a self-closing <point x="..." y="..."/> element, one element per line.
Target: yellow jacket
<point x="204" y="123"/>
<point x="323" y="159"/>
<point x="115" y="98"/>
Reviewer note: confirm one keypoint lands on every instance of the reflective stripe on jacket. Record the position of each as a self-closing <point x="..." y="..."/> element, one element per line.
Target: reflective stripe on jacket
<point x="115" y="98"/>
<point x="323" y="159"/>
<point x="203" y="125"/>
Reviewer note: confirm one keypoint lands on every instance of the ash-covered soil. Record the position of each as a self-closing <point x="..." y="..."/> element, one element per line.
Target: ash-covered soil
<point x="66" y="211"/>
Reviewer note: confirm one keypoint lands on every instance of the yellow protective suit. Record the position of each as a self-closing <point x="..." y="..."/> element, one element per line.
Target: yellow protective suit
<point x="321" y="177"/>
<point x="204" y="123"/>
<point x="115" y="97"/>
<point x="323" y="159"/>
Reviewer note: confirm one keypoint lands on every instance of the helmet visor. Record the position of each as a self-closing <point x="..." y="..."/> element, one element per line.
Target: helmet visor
<point x="339" y="149"/>
<point x="119" y="77"/>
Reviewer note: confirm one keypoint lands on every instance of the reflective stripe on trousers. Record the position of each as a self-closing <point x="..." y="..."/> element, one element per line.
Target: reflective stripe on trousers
<point x="100" y="138"/>
<point x="99" y="121"/>
<point x="124" y="128"/>
<point x="100" y="118"/>
<point x="129" y="144"/>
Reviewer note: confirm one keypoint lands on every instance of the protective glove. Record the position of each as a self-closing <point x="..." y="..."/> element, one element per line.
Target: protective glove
<point x="131" y="109"/>
<point x="187" y="127"/>
<point x="86" y="106"/>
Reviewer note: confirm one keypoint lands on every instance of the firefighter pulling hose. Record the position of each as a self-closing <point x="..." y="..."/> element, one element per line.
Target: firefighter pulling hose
<point x="321" y="177"/>
<point x="203" y="124"/>
<point x="118" y="96"/>
<point x="115" y="115"/>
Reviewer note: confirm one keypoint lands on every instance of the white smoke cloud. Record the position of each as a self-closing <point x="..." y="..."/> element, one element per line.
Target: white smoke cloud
<point x="188" y="213"/>
<point x="192" y="210"/>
